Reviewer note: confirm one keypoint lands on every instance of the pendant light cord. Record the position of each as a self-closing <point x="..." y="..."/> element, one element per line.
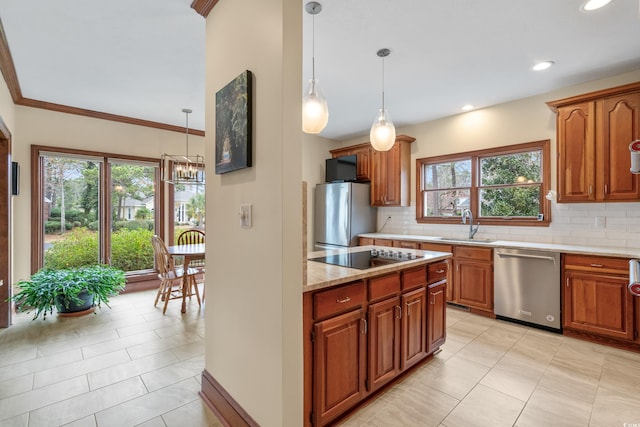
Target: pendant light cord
<point x="313" y="47"/>
<point x="383" y="82"/>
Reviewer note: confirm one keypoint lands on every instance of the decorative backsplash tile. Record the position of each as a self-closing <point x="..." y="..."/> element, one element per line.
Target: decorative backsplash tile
<point x="572" y="224"/>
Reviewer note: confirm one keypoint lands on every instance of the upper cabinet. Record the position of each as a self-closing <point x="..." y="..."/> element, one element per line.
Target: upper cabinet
<point x="363" y="156"/>
<point x="594" y="131"/>
<point x="388" y="171"/>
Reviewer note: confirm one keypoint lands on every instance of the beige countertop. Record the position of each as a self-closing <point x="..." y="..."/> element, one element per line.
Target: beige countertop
<point x="320" y="275"/>
<point x="620" y="252"/>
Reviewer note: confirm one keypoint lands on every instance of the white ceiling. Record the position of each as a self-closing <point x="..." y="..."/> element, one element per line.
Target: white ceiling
<point x="145" y="58"/>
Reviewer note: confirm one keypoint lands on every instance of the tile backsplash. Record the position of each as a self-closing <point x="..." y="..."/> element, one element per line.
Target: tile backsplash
<point x="587" y="224"/>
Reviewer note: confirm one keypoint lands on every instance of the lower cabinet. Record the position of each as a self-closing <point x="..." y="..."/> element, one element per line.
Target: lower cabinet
<point x="437" y="315"/>
<point x="414" y="324"/>
<point x="596" y="298"/>
<point x="473" y="277"/>
<point x="384" y="341"/>
<point x="340" y="364"/>
<point x="365" y="334"/>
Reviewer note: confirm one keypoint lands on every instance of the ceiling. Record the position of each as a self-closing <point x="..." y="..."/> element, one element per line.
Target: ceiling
<point x="146" y="58"/>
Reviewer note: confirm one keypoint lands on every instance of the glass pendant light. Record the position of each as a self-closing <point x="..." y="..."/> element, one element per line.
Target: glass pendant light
<point x="383" y="133"/>
<point x="315" y="113"/>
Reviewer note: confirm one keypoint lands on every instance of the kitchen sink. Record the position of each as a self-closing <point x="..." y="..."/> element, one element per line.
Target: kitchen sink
<point x="466" y="240"/>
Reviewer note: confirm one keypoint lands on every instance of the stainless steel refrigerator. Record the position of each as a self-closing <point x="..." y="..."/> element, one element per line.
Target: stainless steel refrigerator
<point x="342" y="211"/>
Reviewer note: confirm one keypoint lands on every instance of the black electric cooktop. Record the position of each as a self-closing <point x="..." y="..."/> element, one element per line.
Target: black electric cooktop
<point x="365" y="259"/>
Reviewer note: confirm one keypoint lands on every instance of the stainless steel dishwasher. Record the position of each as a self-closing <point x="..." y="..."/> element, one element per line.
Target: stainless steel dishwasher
<point x="527" y="287"/>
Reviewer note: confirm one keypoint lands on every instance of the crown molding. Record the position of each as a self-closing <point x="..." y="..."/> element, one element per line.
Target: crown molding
<point x="27" y="102"/>
<point x="203" y="7"/>
<point x="8" y="68"/>
<point x="11" y="78"/>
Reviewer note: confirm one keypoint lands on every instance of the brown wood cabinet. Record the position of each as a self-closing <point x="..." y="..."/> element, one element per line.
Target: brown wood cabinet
<point x="473" y="277"/>
<point x="596" y="298"/>
<point x="366" y="333"/>
<point x="384" y="329"/>
<point x="362" y="241"/>
<point x="437" y="315"/>
<point x="390" y="183"/>
<point x="439" y="247"/>
<point x="340" y="364"/>
<point x="363" y="156"/>
<point x="406" y="244"/>
<point x="414" y="324"/>
<point x="594" y="131"/>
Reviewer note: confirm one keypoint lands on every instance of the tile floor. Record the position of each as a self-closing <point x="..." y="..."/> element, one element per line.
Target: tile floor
<point x="495" y="373"/>
<point x="130" y="365"/>
<point x="125" y="366"/>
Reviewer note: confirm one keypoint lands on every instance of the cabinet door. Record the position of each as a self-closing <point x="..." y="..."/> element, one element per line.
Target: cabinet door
<point x="384" y="341"/>
<point x="363" y="162"/>
<point x="576" y="152"/>
<point x="379" y="178"/>
<point x="340" y="365"/>
<point x="436" y="316"/>
<point x="618" y="124"/>
<point x="598" y="303"/>
<point x="414" y="322"/>
<point x="474" y="284"/>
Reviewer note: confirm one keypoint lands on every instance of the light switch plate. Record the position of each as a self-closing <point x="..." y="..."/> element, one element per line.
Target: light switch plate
<point x="600" y="222"/>
<point x="245" y="216"/>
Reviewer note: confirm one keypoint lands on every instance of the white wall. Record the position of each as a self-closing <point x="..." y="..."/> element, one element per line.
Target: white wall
<point x="254" y="277"/>
<point x="7" y="108"/>
<point x="36" y="126"/>
<point x="524" y="120"/>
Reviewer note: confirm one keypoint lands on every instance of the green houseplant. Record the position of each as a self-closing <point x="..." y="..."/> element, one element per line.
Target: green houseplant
<point x="69" y="289"/>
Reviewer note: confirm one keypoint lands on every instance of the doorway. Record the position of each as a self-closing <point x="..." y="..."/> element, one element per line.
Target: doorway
<point x="5" y="225"/>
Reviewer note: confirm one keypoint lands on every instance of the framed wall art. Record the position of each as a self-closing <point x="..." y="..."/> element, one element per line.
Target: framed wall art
<point x="234" y="124"/>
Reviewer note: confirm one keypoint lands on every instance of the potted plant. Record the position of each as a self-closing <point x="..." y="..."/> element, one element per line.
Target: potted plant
<point x="70" y="290"/>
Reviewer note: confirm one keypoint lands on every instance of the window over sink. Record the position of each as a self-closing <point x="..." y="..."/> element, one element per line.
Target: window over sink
<point x="501" y="186"/>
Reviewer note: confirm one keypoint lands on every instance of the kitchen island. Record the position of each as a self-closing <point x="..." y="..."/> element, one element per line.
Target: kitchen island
<point x="366" y="324"/>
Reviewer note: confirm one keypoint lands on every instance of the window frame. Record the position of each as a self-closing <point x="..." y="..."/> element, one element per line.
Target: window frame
<point x="475" y="157"/>
<point x="37" y="221"/>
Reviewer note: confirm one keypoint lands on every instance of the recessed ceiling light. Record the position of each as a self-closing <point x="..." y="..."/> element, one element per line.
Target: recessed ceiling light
<point x="467" y="107"/>
<point x="542" y="65"/>
<point x="595" y="4"/>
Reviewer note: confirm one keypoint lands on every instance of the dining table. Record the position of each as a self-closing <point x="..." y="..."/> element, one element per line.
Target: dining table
<point x="190" y="252"/>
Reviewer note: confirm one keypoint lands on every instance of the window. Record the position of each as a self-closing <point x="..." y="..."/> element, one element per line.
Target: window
<point x="501" y="186"/>
<point x="94" y="208"/>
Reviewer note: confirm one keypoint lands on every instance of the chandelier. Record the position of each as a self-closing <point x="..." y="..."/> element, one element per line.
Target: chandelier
<point x="183" y="169"/>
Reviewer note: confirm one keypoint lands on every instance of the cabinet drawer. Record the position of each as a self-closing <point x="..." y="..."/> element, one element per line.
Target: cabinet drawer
<point x="383" y="242"/>
<point x="438" y="247"/>
<point x="597" y="264"/>
<point x="437" y="272"/>
<point x="406" y="244"/>
<point x="364" y="241"/>
<point x="384" y="286"/>
<point x="471" y="252"/>
<point x="414" y="278"/>
<point x="337" y="300"/>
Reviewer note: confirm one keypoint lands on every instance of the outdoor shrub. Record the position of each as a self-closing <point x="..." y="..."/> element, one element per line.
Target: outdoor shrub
<point x="93" y="225"/>
<point x="69" y="214"/>
<point x="131" y="249"/>
<point x="52" y="227"/>
<point x="77" y="249"/>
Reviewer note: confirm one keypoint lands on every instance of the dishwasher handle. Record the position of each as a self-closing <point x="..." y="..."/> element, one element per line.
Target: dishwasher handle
<point x="543" y="257"/>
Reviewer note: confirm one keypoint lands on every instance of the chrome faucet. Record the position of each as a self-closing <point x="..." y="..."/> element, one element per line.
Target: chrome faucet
<point x="467" y="214"/>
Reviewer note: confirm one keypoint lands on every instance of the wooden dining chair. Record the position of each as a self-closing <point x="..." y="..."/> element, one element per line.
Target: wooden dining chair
<point x="172" y="277"/>
<point x="194" y="236"/>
